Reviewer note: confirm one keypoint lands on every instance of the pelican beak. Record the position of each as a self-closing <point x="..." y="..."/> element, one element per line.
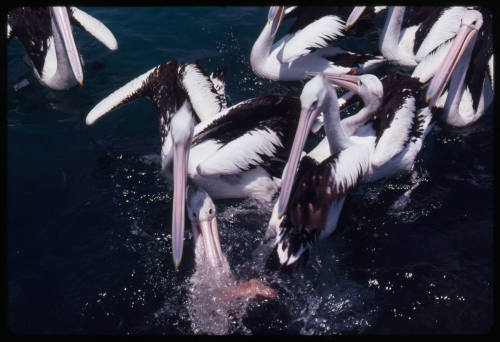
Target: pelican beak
<point x="307" y="117"/>
<point x="354" y="16"/>
<point x="463" y="41"/>
<point x="210" y="235"/>
<point x="62" y="25"/>
<point x="181" y="155"/>
<point x="349" y="82"/>
<point x="274" y="18"/>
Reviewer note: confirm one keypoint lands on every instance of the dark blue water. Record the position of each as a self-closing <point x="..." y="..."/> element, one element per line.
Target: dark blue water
<point x="89" y="221"/>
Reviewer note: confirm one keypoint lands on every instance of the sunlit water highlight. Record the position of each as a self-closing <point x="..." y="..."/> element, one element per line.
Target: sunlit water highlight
<point x="89" y="244"/>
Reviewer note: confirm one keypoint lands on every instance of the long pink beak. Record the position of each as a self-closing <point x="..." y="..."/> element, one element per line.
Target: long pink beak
<point x="354" y="16"/>
<point x="211" y="241"/>
<point x="274" y="18"/>
<point x="464" y="40"/>
<point x="181" y="156"/>
<point x="63" y="26"/>
<point x="349" y="82"/>
<point x="306" y="120"/>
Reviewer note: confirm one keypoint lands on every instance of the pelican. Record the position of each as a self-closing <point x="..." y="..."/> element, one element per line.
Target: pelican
<point x="232" y="154"/>
<point x="319" y="192"/>
<point x="388" y="133"/>
<point x="468" y="67"/>
<point x="400" y="115"/>
<point x="366" y="84"/>
<point x="399" y="121"/>
<point x="429" y="28"/>
<point x="305" y="50"/>
<point x="47" y="37"/>
<point x="398" y="126"/>
<point x="214" y="287"/>
<point x="209" y="258"/>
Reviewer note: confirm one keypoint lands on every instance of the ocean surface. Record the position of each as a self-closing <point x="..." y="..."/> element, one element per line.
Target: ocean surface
<point x="89" y="249"/>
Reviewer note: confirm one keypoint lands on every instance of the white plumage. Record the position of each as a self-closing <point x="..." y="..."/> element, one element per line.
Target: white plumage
<point x="96" y="28"/>
<point x="316" y="35"/>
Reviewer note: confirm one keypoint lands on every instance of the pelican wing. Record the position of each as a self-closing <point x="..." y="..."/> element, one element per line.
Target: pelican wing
<point x="317" y="35"/>
<point x="125" y="94"/>
<point x="95" y="27"/>
<point x="305" y="15"/>
<point x="32" y="26"/>
<point x="218" y="80"/>
<point x="317" y="200"/>
<point x="247" y="151"/>
<point x="397" y="135"/>
<point x="207" y="101"/>
<point x="249" y="134"/>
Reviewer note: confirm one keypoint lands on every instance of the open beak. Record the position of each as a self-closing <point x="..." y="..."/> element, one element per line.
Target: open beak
<point x="349" y="82"/>
<point x="274" y="18"/>
<point x="181" y="155"/>
<point x="463" y="41"/>
<point x="354" y="16"/>
<point x="62" y="25"/>
<point x="307" y="117"/>
<point x="210" y="235"/>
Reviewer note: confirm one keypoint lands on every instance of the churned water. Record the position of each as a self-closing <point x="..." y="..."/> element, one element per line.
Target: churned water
<point x="89" y="247"/>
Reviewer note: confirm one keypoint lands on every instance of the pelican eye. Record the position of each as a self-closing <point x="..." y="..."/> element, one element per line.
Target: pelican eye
<point x="194" y="214"/>
<point x="314" y="104"/>
<point x="210" y="211"/>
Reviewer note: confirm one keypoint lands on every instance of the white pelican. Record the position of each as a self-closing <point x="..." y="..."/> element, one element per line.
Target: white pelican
<point x="322" y="182"/>
<point x="305" y="50"/>
<point x="468" y="67"/>
<point x="232" y="153"/>
<point x="388" y="133"/>
<point x="214" y="288"/>
<point x="429" y="28"/>
<point x="47" y="37"/>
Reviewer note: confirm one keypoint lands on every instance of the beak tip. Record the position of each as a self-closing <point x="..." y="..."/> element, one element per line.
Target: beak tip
<point x="177" y="263"/>
<point x="281" y="210"/>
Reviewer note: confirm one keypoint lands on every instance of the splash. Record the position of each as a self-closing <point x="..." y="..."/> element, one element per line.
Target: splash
<point x="217" y="303"/>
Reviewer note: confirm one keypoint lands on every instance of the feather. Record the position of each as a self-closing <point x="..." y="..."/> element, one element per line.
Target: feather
<point x="94" y="27"/>
<point x="316" y="35"/>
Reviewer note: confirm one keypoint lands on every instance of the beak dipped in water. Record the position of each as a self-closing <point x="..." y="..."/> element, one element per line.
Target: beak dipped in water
<point x="210" y="235"/>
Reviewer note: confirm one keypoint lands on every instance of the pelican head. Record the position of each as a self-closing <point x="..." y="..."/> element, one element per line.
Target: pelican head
<point x="202" y="216"/>
<point x="313" y="100"/>
<point x="274" y="18"/>
<point x="462" y="46"/>
<point x="368" y="87"/>
<point x="181" y="130"/>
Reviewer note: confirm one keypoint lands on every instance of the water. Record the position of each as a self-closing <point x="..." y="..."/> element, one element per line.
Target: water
<point x="89" y="221"/>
